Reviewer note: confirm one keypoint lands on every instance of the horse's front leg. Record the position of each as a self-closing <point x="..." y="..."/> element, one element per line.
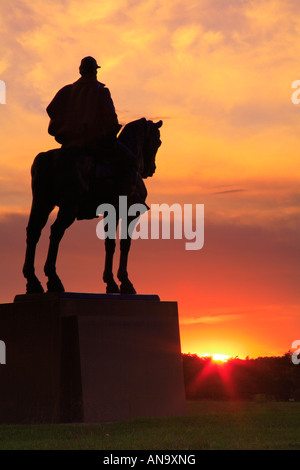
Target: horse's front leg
<point x="65" y="217"/>
<point x="126" y="286"/>
<point x="108" y="277"/>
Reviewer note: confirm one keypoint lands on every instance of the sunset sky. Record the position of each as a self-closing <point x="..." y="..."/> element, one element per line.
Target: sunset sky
<point x="219" y="74"/>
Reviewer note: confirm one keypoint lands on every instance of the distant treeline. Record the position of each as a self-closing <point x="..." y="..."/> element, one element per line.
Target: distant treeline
<point x="263" y="378"/>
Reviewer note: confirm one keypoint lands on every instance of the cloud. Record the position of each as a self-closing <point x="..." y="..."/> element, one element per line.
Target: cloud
<point x="220" y="71"/>
<point x="238" y="264"/>
<point x="210" y="320"/>
<point x="242" y="314"/>
<point x="257" y="115"/>
<point x="230" y="191"/>
<point x="191" y="44"/>
<point x="242" y="287"/>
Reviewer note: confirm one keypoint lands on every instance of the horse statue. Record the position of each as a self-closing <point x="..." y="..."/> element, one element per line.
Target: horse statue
<point x="55" y="183"/>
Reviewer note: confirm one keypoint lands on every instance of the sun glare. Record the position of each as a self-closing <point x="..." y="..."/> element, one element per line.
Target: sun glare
<point x="216" y="357"/>
<point x="220" y="357"/>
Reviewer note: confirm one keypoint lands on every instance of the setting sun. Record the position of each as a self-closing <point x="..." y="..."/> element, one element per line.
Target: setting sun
<point x="216" y="357"/>
<point x="220" y="357"/>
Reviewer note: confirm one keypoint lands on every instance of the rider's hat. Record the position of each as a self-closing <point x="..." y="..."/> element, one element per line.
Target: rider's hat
<point x="88" y="64"/>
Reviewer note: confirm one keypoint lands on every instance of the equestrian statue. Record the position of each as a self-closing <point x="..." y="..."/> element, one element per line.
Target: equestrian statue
<point x="98" y="162"/>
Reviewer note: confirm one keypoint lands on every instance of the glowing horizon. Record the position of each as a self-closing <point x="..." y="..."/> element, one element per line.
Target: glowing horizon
<point x="216" y="357"/>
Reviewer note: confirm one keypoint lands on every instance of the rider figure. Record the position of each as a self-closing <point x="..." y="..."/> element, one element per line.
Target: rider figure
<point x="82" y="114"/>
<point x="84" y="121"/>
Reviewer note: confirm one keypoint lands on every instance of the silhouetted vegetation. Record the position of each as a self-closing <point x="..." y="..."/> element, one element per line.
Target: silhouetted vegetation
<point x="263" y="378"/>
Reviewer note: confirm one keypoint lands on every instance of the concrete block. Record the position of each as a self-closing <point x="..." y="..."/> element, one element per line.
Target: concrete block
<point x="89" y="358"/>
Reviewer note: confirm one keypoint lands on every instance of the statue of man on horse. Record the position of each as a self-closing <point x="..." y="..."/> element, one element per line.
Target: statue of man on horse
<point x="95" y="164"/>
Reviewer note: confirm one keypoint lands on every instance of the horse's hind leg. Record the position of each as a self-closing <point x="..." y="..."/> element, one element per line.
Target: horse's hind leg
<point x="126" y="286"/>
<point x="65" y="217"/>
<point x="37" y="220"/>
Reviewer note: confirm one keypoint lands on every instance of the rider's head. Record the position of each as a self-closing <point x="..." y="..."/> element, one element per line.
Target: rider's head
<point x="88" y="66"/>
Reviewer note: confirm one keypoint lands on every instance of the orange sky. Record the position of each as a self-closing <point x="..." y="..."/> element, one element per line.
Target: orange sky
<point x="219" y="74"/>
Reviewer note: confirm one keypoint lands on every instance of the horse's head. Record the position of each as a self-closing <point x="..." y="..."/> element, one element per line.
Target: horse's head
<point x="151" y="145"/>
<point x="142" y="137"/>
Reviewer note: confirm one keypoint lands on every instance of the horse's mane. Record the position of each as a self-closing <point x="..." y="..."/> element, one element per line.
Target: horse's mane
<point x="142" y="137"/>
<point x="129" y="132"/>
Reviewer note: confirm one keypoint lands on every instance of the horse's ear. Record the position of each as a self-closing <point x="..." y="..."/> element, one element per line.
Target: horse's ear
<point x="159" y="124"/>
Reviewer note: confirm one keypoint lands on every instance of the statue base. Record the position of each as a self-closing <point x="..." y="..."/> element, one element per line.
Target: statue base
<point x="89" y="358"/>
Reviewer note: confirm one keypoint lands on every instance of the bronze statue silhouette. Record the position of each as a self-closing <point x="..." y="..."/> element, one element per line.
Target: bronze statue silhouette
<point x="92" y="167"/>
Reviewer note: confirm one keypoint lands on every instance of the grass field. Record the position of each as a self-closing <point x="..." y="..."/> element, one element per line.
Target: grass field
<point x="208" y="425"/>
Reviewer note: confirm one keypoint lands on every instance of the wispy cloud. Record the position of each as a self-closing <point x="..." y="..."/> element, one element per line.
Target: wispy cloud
<point x="230" y="191"/>
<point x="210" y="320"/>
<point x="279" y="312"/>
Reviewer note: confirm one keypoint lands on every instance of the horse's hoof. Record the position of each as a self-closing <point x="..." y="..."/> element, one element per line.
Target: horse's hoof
<point x="55" y="285"/>
<point x="126" y="287"/>
<point x="34" y="286"/>
<point x="112" y="288"/>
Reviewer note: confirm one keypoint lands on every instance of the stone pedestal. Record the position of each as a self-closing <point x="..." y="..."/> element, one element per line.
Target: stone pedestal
<point x="89" y="358"/>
